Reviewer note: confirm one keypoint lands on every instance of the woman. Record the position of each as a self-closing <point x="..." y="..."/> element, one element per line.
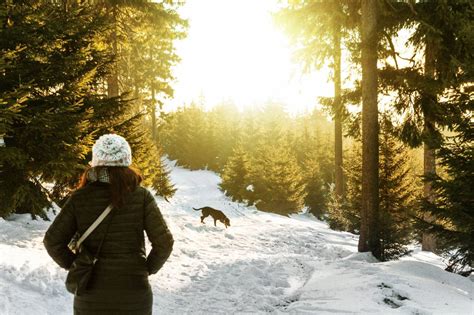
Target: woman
<point x="119" y="284"/>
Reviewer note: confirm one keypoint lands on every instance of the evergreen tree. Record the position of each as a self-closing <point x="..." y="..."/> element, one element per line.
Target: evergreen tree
<point x="277" y="181"/>
<point x="445" y="42"/>
<point x="235" y="176"/>
<point x="160" y="180"/>
<point x="397" y="195"/>
<point x="197" y="149"/>
<point x="316" y="195"/>
<point x="344" y="214"/>
<point x="251" y="131"/>
<point x="452" y="210"/>
<point x="224" y="121"/>
<point x="310" y="144"/>
<point x="52" y="63"/>
<point x="319" y="28"/>
<point x="52" y="119"/>
<point x="188" y="139"/>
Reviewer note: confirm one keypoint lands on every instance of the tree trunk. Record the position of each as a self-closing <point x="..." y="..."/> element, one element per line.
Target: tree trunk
<point x="153" y="113"/>
<point x="369" y="236"/>
<point x="339" y="175"/>
<point x="112" y="78"/>
<point x="428" y="242"/>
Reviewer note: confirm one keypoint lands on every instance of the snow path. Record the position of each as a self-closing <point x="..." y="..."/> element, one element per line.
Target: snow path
<point x="252" y="266"/>
<point x="263" y="263"/>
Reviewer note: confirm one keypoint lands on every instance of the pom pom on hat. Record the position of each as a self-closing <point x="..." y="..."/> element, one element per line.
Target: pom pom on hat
<point x="111" y="150"/>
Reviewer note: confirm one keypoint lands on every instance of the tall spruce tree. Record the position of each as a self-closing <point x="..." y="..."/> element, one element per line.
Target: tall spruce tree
<point x="451" y="212"/>
<point x="235" y="176"/>
<point x="52" y="62"/>
<point x="441" y="35"/>
<point x="276" y="178"/>
<point x="224" y="120"/>
<point x="397" y="195"/>
<point x="53" y="118"/>
<point x="318" y="28"/>
<point x="312" y="139"/>
<point x="316" y="195"/>
<point x="345" y="214"/>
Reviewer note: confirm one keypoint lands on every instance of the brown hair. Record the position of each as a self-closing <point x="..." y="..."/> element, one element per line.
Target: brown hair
<point x="123" y="180"/>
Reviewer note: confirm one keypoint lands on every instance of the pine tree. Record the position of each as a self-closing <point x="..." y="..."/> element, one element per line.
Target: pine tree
<point x="235" y="176"/>
<point x="344" y="214"/>
<point x="147" y="157"/>
<point x="318" y="29"/>
<point x="451" y="211"/>
<point x="53" y="118"/>
<point x="397" y="196"/>
<point x="277" y="181"/>
<point x="224" y="120"/>
<point x="316" y="195"/>
<point x="197" y="148"/>
<point x="52" y="64"/>
<point x="445" y="42"/>
<point x="310" y="144"/>
<point x="161" y="179"/>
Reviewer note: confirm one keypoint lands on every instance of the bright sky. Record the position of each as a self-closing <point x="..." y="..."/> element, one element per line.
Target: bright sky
<point x="234" y="52"/>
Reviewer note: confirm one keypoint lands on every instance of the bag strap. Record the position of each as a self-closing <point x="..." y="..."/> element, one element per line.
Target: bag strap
<point x="94" y="225"/>
<point x="103" y="238"/>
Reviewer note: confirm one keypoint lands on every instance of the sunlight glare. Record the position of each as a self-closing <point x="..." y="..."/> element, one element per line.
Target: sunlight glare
<point x="234" y="52"/>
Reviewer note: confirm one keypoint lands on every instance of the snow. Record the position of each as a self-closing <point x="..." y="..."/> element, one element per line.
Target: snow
<point x="263" y="263"/>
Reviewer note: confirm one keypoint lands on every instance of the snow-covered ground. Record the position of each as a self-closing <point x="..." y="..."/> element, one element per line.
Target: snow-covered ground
<point x="263" y="263"/>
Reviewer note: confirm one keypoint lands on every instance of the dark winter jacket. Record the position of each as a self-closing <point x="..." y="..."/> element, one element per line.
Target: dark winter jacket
<point x="120" y="279"/>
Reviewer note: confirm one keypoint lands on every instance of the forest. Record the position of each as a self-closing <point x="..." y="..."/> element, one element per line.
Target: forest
<point x="388" y="157"/>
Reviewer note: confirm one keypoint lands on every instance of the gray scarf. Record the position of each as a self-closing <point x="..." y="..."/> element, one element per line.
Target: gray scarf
<point x="100" y="174"/>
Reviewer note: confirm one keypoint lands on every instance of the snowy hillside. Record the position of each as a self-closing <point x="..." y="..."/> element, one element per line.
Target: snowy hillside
<point x="263" y="263"/>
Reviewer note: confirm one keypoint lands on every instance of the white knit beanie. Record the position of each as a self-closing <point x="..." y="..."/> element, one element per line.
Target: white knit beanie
<point x="111" y="150"/>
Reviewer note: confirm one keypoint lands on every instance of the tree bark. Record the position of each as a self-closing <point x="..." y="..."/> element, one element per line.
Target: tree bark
<point x="369" y="235"/>
<point x="428" y="242"/>
<point x="339" y="175"/>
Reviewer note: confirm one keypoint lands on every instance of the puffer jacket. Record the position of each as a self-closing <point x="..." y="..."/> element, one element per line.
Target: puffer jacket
<point x="119" y="284"/>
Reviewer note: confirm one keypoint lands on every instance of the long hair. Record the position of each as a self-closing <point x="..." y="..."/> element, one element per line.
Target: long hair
<point x="123" y="180"/>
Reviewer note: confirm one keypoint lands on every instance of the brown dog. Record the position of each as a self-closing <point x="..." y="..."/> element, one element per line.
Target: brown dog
<point x="215" y="214"/>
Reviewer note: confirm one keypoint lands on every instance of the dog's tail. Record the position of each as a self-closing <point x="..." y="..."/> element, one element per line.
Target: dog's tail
<point x="197" y="209"/>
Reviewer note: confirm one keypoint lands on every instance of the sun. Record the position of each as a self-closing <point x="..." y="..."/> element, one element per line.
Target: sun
<point x="235" y="52"/>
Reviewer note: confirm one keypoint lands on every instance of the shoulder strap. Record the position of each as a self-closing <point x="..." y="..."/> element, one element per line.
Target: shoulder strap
<point x="94" y="225"/>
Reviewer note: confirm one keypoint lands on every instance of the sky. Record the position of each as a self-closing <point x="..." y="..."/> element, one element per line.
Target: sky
<point x="235" y="53"/>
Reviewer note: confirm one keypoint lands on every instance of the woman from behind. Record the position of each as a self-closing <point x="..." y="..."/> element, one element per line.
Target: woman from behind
<point x="119" y="282"/>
